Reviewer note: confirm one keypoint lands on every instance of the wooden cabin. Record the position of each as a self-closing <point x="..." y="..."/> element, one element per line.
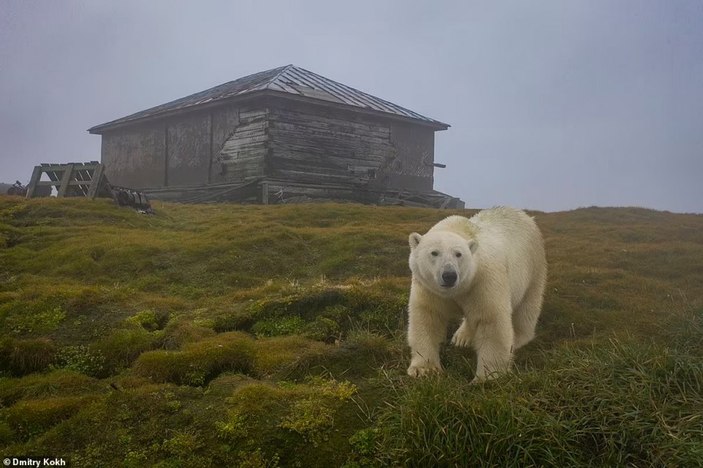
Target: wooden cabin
<point x="281" y="135"/>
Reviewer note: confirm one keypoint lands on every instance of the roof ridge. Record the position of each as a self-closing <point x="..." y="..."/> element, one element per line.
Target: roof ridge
<point x="367" y="95"/>
<point x="287" y="79"/>
<point x="284" y="69"/>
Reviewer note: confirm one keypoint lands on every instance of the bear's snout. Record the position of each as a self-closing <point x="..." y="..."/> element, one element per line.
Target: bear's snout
<point x="449" y="278"/>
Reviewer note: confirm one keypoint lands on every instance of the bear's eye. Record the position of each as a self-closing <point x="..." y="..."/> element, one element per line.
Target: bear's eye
<point x="457" y="255"/>
<point x="434" y="253"/>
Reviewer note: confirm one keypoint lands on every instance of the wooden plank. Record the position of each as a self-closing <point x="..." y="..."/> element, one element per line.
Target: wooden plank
<point x="321" y="125"/>
<point x="316" y="119"/>
<point x="236" y="140"/>
<point x="60" y="167"/>
<point x="50" y="171"/>
<point x="33" y="181"/>
<point x="81" y="175"/>
<point x="96" y="181"/>
<point x="265" y="193"/>
<point x="71" y="183"/>
<point x="65" y="179"/>
<point x="252" y="116"/>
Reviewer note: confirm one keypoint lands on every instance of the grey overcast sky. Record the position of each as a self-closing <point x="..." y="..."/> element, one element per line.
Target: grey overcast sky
<point x="554" y="104"/>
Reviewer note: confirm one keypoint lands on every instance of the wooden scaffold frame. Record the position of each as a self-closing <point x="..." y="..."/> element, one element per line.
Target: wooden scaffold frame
<point x="71" y="180"/>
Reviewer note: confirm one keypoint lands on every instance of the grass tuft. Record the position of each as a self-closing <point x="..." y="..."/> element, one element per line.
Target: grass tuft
<point x="610" y="403"/>
<point x="22" y="357"/>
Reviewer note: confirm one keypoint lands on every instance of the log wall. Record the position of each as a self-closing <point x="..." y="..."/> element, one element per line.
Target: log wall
<point x="317" y="146"/>
<point x="243" y="154"/>
<point x="275" y="139"/>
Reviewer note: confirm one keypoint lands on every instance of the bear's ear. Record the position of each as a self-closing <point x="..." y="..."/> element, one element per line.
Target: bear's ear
<point x="473" y="245"/>
<point x="414" y="240"/>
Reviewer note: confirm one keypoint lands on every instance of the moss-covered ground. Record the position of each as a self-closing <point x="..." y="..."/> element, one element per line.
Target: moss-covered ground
<point x="236" y="335"/>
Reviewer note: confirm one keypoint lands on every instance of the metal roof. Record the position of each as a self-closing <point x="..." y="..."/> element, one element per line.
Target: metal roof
<point x="287" y="80"/>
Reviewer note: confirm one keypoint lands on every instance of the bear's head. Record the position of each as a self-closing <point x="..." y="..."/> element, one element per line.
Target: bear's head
<point x="442" y="261"/>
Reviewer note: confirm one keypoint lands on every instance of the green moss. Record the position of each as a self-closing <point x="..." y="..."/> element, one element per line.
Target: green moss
<point x="277" y="354"/>
<point x="360" y="355"/>
<point x="149" y="319"/>
<point x="57" y="383"/>
<point x="25" y="321"/>
<point x="257" y="459"/>
<point x="7" y="435"/>
<point x="327" y="313"/>
<point x="307" y="410"/>
<point x="235" y="320"/>
<point x="323" y="329"/>
<point x="32" y="417"/>
<point x="363" y="448"/>
<point x="182" y="331"/>
<point x="278" y="326"/>
<point x="199" y="362"/>
<point x="80" y="359"/>
<point x="182" y="444"/>
<point x="234" y="429"/>
<point x="121" y="348"/>
<point x="310" y="419"/>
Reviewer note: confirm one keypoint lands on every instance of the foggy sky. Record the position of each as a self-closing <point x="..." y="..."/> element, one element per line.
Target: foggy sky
<point x="553" y="105"/>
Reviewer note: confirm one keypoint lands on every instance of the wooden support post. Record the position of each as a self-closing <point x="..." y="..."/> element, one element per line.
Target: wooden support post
<point x="265" y="193"/>
<point x="34" y="181"/>
<point x="96" y="181"/>
<point x="65" y="180"/>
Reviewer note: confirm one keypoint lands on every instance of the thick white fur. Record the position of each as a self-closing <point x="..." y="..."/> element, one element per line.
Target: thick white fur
<point x="501" y="269"/>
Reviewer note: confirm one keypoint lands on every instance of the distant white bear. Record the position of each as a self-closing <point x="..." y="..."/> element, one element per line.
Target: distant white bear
<point x="489" y="269"/>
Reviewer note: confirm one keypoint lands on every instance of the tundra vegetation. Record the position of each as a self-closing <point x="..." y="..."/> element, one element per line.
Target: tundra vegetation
<point x="275" y="336"/>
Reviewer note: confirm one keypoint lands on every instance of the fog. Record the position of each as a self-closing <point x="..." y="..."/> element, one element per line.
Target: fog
<point x="553" y="105"/>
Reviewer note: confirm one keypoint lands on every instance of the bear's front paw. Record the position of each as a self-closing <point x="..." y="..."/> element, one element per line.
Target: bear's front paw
<point x="462" y="337"/>
<point x="422" y="370"/>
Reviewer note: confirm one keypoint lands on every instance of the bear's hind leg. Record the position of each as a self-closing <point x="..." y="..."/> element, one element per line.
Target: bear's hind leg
<point x="526" y="315"/>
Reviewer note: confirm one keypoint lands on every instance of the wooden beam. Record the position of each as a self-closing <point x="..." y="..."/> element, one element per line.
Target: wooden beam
<point x="60" y="167"/>
<point x="95" y="183"/>
<point x="65" y="180"/>
<point x="265" y="193"/>
<point x="33" y="182"/>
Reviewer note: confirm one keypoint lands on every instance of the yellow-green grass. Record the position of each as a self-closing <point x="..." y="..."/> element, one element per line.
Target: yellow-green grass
<point x="274" y="335"/>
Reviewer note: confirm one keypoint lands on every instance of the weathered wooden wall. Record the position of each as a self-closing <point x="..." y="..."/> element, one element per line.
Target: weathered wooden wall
<point x="315" y="145"/>
<point x="224" y="145"/>
<point x="242" y="156"/>
<point x="136" y="156"/>
<point x="413" y="168"/>
<point x="277" y="139"/>
<point x="188" y="150"/>
<point x="224" y="122"/>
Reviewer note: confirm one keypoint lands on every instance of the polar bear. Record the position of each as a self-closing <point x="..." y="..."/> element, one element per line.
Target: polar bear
<point x="490" y="270"/>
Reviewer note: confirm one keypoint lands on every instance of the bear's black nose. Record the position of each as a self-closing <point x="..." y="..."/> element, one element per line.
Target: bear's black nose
<point x="448" y="279"/>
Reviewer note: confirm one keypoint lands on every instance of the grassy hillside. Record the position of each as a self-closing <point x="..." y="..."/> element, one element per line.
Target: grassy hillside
<point x="274" y="336"/>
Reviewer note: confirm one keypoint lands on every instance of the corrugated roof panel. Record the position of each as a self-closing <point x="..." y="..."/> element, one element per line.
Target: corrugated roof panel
<point x="288" y="79"/>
